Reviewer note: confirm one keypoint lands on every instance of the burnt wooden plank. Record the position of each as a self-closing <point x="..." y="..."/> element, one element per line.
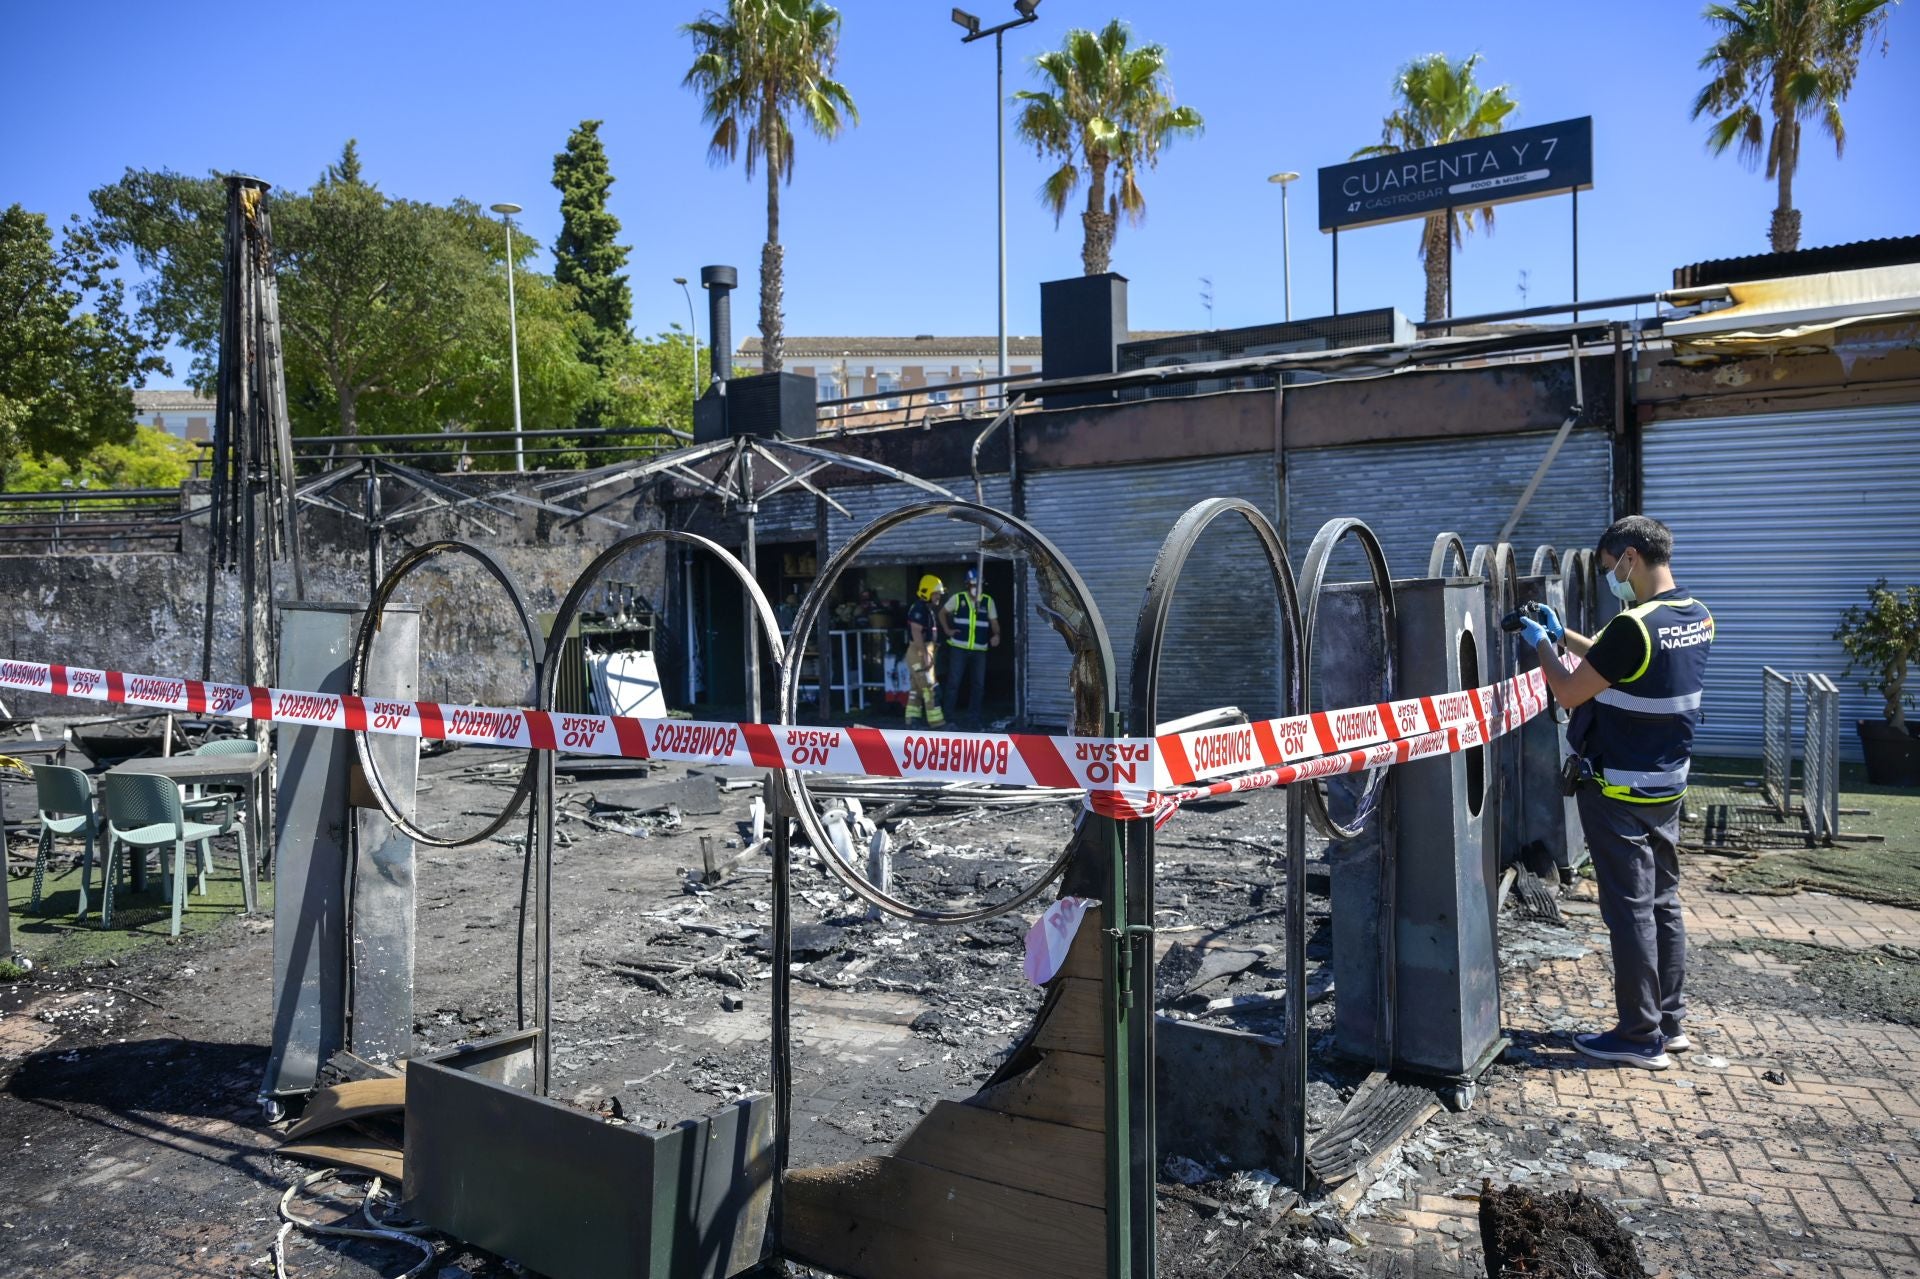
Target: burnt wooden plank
<point x="1062" y="1088"/>
<point x="1025" y="1154"/>
<point x="1071" y="1021"/>
<point x="886" y="1217"/>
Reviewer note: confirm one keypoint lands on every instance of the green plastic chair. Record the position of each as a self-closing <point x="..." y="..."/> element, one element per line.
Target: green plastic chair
<point x="64" y="797"/>
<point x="229" y="746"/>
<point x="220" y="746"/>
<point x="144" y="811"/>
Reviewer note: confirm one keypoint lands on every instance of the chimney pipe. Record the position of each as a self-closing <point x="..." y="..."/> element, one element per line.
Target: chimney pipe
<point x="719" y="281"/>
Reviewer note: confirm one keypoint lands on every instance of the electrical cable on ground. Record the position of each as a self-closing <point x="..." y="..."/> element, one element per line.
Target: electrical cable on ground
<point x="388" y="1232"/>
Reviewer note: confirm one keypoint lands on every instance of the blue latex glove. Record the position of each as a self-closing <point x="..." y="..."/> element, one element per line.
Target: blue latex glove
<point x="1533" y="632"/>
<point x="1555" y="628"/>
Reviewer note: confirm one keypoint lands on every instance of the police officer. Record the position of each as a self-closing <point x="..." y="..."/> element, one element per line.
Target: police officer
<point x="972" y="626"/>
<point x="1634" y="702"/>
<point x="923" y="639"/>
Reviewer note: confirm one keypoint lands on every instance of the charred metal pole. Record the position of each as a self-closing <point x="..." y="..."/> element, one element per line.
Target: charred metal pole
<point x="253" y="447"/>
<point x="376" y="569"/>
<point x="779" y="812"/>
<point x="751" y="558"/>
<point x="1119" y="1033"/>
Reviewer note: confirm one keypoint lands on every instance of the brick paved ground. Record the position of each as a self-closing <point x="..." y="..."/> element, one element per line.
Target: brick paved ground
<point x="1788" y="1143"/>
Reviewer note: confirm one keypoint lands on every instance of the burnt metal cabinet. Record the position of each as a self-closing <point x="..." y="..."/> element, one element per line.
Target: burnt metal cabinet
<point x="343" y="920"/>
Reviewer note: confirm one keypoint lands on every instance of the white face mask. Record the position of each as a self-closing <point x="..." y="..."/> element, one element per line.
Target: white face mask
<point x="1621" y="587"/>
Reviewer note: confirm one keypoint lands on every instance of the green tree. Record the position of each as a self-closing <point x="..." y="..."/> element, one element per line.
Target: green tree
<point x="653" y="383"/>
<point x="1786" y="61"/>
<point x="69" y="356"/>
<point x="755" y="67"/>
<point x="587" y="256"/>
<point x="394" y="312"/>
<point x="1108" y="105"/>
<point x="1437" y="102"/>
<point x="149" y="459"/>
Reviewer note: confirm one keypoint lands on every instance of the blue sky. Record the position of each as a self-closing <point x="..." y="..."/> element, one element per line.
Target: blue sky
<point x="890" y="230"/>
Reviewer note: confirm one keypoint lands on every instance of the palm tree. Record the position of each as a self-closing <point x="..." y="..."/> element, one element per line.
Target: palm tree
<point x="1440" y="102"/>
<point x="754" y="67"/>
<point x="1107" y="105"/>
<point x="1789" y="59"/>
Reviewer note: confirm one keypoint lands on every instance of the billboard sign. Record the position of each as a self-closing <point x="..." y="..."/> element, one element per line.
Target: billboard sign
<point x="1516" y="165"/>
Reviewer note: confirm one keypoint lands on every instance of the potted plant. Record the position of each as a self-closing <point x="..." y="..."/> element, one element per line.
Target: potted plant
<point x="1882" y="639"/>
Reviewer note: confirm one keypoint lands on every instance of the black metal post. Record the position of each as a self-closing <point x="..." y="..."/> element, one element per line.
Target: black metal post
<point x="1336" y="270"/>
<point x="376" y="567"/>
<point x="782" y="833"/>
<point x="1576" y="252"/>
<point x="1294" y="1138"/>
<point x="1117" y="1038"/>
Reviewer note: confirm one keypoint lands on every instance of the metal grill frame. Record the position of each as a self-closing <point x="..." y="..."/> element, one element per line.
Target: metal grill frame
<point x="1776" y="740"/>
<point x="1820" y="759"/>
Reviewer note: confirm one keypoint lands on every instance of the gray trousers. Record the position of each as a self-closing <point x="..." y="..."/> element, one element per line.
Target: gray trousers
<point x="1637" y="864"/>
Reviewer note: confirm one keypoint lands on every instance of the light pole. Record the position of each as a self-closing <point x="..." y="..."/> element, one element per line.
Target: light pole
<point x="506" y="212"/>
<point x="1286" y="180"/>
<point x="693" y="331"/>
<point x="1027" y="11"/>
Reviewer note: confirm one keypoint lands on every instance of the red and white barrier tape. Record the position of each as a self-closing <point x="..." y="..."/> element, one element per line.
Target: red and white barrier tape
<point x="1011" y="759"/>
<point x="1125" y="777"/>
<point x="1326" y="744"/>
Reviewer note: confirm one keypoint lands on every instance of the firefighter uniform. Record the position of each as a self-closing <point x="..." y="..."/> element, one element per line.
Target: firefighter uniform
<point x="923" y="691"/>
<point x="1636" y="737"/>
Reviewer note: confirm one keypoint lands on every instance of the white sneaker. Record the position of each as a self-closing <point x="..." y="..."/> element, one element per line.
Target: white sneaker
<point x="1679" y="1044"/>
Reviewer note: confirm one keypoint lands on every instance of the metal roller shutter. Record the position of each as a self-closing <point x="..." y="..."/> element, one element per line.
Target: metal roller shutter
<point x="786" y="517"/>
<point x="1781" y="521"/>
<point x="917" y="542"/>
<point x="1410" y="492"/>
<point x="1109" y="522"/>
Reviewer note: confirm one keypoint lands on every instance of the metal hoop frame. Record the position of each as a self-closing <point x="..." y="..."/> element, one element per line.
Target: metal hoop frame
<point x="993" y="522"/>
<point x="1148" y="652"/>
<point x="1313" y="579"/>
<point x="1447" y="546"/>
<point x="362" y="653"/>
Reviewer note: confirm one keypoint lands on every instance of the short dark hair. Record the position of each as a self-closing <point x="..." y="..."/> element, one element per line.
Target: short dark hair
<point x="1641" y="533"/>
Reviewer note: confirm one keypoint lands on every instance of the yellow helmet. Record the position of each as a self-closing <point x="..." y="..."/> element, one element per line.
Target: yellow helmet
<point x="931" y="586"/>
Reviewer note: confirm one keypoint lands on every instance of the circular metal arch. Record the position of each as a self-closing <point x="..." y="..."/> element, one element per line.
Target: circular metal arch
<point x="363" y="650"/>
<point x="577" y="595"/>
<point x="996" y="524"/>
<point x="1150" y="633"/>
<point x="1313" y="575"/>
<point x="1576" y="589"/>
<point x="1447" y="546"/>
<point x="1546" y="561"/>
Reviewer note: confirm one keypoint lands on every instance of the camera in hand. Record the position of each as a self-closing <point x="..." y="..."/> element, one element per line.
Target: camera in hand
<point x="1511" y="622"/>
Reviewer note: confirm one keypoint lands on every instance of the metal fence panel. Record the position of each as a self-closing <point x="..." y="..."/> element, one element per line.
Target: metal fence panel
<point x="1820" y="756"/>
<point x="1776" y="739"/>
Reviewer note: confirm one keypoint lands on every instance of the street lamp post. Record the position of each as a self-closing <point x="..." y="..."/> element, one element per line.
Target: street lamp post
<point x="693" y="331"/>
<point x="1027" y="11"/>
<point x="506" y="212"/>
<point x="1285" y="180"/>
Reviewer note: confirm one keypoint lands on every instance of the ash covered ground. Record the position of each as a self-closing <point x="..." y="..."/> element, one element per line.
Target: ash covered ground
<point x="133" y="1145"/>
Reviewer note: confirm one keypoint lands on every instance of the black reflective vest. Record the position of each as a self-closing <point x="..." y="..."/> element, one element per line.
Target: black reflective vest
<point x="1638" y="733"/>
<point x="974" y="630"/>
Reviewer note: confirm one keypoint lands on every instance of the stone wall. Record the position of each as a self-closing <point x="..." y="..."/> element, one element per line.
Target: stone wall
<point x="142" y="612"/>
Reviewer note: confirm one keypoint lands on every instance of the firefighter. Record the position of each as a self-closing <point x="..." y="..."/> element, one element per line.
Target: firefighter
<point x="1634" y="702"/>
<point x="923" y="641"/>
<point x="971" y="627"/>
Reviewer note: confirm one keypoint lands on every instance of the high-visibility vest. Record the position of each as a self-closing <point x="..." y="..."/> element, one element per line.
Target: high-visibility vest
<point x="1640" y="734"/>
<point x="974" y="630"/>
